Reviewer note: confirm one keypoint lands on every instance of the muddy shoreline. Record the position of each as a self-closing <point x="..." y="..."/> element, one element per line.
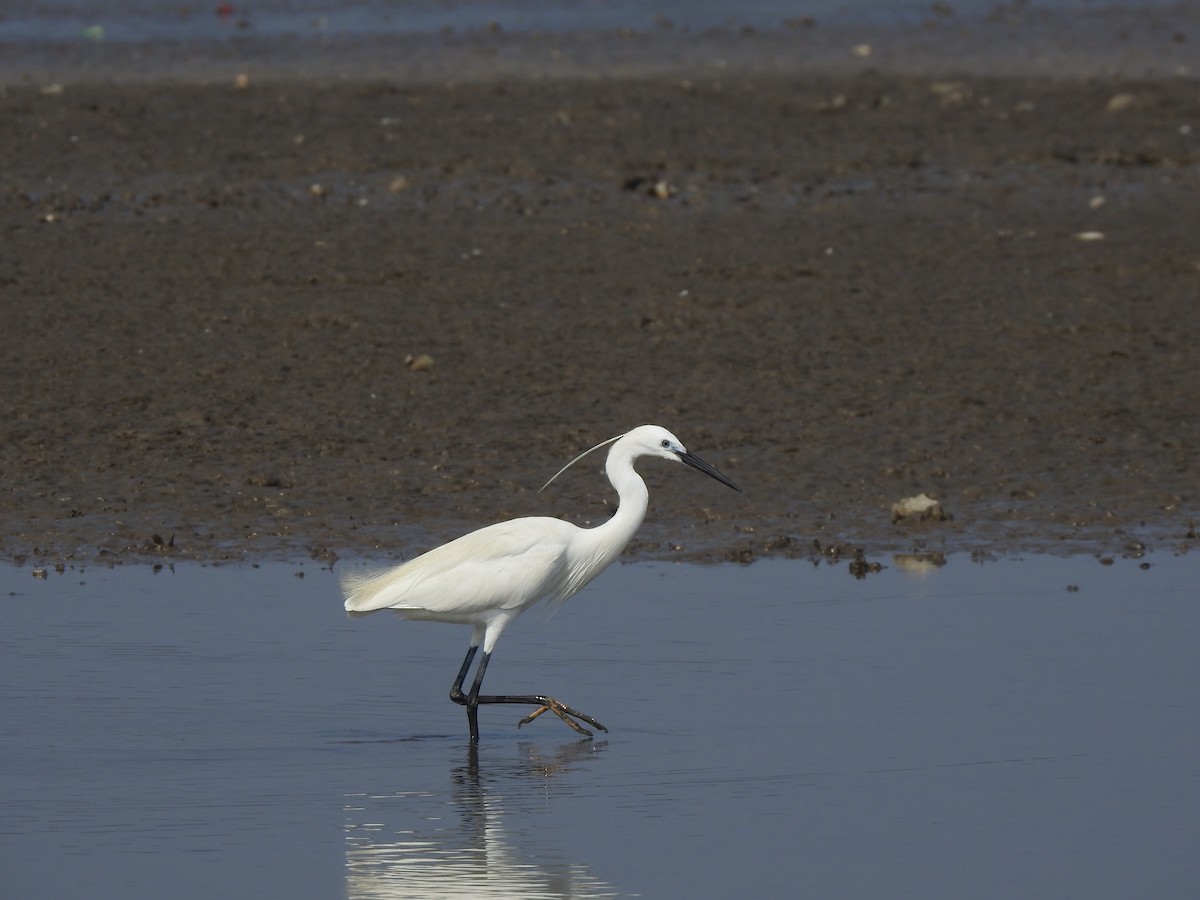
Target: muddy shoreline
<point x="841" y="289"/>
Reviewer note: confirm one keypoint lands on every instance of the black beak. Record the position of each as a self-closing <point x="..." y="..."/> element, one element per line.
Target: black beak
<point x="700" y="465"/>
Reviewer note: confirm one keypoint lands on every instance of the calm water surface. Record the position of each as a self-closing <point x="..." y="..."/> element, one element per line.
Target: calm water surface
<point x="1012" y="728"/>
<point x="149" y="20"/>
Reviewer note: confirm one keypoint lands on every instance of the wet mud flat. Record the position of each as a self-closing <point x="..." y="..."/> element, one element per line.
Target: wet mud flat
<point x="293" y="316"/>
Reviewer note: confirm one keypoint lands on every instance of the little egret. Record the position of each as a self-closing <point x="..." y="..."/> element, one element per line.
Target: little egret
<point x="487" y="578"/>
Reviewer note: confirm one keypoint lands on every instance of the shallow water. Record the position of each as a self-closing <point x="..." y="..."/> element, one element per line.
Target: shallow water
<point x="1011" y="728"/>
<point x="150" y="20"/>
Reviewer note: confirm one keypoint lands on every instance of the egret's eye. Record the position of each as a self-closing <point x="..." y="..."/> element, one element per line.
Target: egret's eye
<point x="666" y="443"/>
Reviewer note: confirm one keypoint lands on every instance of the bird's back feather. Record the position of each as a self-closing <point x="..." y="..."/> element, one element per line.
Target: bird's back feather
<point x="507" y="566"/>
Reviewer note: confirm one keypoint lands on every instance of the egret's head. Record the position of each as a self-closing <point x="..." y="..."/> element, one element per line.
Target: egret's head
<point x="654" y="440"/>
<point x="649" y="440"/>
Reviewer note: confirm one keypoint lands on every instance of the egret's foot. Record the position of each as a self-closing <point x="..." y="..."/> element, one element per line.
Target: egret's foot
<point x="565" y="713"/>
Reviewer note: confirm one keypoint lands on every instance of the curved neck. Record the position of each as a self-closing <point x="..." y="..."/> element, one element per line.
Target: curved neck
<point x="633" y="498"/>
<point x="610" y="538"/>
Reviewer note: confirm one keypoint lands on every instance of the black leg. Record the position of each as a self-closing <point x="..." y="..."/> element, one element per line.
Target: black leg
<point x="548" y="704"/>
<point x="543" y="703"/>
<point x="456" y="693"/>
<point x="461" y="699"/>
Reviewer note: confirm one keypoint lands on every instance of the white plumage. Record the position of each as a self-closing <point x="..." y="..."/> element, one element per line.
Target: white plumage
<point x="485" y="579"/>
<point x="498" y="568"/>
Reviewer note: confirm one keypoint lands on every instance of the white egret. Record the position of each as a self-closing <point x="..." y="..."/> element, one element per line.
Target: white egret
<point x="487" y="578"/>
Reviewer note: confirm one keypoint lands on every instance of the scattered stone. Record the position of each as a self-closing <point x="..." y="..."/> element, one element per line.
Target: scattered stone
<point x="663" y="189"/>
<point x="919" y="508"/>
<point x="1121" y="102"/>
<point x="951" y="93"/>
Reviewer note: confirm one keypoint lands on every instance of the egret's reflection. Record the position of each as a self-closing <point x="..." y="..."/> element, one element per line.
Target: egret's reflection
<point x="463" y="843"/>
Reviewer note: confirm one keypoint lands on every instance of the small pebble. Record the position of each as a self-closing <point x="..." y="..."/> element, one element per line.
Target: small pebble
<point x="1121" y="102"/>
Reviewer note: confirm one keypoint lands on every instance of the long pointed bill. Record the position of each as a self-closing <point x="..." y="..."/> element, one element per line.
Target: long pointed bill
<point x="700" y="465"/>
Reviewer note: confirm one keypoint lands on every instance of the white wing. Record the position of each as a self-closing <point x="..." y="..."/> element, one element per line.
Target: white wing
<point x="510" y="565"/>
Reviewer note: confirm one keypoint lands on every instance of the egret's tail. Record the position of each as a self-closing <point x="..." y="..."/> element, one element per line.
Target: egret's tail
<point x="361" y="589"/>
